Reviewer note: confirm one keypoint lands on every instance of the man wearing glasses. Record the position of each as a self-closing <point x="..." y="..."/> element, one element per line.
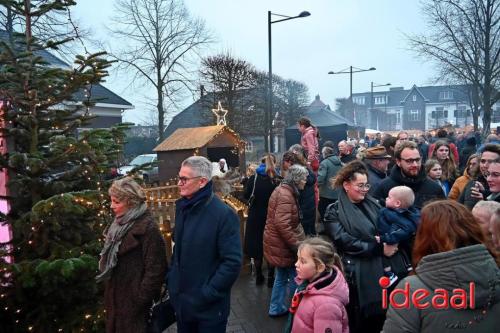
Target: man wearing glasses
<point x="207" y="253"/>
<point x="478" y="189"/>
<point x="408" y="171"/>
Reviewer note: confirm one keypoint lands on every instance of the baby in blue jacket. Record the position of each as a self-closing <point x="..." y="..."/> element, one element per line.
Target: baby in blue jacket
<point x="397" y="222"/>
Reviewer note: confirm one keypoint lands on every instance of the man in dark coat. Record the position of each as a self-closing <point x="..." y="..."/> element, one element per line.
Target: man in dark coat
<point x="408" y="171"/>
<point x="207" y="254"/>
<point x="376" y="160"/>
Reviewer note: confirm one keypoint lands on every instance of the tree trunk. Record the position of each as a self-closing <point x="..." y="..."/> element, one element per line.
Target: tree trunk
<point x="161" y="113"/>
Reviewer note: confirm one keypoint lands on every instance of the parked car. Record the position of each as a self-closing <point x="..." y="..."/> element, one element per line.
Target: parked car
<point x="145" y="166"/>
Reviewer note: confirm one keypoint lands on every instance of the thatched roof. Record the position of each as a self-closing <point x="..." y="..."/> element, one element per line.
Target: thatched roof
<point x="191" y="138"/>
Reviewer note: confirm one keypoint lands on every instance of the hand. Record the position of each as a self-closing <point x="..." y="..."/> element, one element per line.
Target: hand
<point x="390" y="250"/>
<point x="476" y="191"/>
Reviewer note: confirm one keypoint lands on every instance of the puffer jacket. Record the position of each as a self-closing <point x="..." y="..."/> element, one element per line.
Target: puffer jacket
<point x="322" y="308"/>
<point x="309" y="141"/>
<point x="459" y="186"/>
<point x="450" y="270"/>
<point x="283" y="231"/>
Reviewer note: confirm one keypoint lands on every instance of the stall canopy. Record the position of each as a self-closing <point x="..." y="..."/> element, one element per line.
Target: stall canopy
<point x="331" y="125"/>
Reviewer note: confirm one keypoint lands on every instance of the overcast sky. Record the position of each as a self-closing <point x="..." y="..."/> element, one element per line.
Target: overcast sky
<point x="338" y="34"/>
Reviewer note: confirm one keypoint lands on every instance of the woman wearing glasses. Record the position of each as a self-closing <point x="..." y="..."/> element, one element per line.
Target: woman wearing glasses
<point x="351" y="223"/>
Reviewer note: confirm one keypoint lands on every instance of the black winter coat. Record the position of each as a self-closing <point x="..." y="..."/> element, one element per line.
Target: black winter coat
<point x="423" y="188"/>
<point x="257" y="213"/>
<point x="307" y="205"/>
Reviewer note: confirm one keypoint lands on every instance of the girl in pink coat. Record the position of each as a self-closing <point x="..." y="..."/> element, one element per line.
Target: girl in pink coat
<point x="318" y="305"/>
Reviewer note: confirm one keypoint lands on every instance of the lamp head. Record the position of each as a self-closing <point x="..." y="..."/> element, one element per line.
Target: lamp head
<point x="371" y="68"/>
<point x="331" y="72"/>
<point x="304" y="14"/>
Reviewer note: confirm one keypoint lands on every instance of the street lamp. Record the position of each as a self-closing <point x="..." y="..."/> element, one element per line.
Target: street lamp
<point x="351" y="71"/>
<point x="269" y="114"/>
<point x="371" y="97"/>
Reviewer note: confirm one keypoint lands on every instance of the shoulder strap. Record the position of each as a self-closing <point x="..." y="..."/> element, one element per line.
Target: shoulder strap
<point x="254" y="182"/>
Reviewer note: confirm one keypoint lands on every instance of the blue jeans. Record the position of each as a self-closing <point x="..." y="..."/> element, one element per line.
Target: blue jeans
<point x="283" y="289"/>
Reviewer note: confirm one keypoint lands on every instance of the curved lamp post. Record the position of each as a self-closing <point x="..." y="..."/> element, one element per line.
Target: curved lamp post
<point x="269" y="113"/>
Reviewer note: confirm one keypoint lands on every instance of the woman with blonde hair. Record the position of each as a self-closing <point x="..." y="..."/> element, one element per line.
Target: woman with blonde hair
<point x="133" y="260"/>
<point x="449" y="254"/>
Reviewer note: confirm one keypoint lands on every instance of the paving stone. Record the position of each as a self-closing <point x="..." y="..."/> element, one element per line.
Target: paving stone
<point x="249" y="305"/>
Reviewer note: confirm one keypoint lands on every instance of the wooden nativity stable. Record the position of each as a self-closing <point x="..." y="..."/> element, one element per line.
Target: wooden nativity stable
<point x="213" y="142"/>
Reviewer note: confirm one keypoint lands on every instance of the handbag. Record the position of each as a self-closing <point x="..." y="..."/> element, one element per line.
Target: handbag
<point x="162" y="314"/>
<point x="252" y="197"/>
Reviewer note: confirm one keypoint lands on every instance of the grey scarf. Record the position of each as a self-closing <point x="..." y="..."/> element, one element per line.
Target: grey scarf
<point x="114" y="236"/>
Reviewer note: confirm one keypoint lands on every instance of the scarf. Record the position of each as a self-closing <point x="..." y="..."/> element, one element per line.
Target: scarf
<point x="297" y="297"/>
<point x="359" y="221"/>
<point x="114" y="237"/>
<point x="204" y="192"/>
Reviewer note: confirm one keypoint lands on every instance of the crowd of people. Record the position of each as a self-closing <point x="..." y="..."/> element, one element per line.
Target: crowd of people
<point x="338" y="226"/>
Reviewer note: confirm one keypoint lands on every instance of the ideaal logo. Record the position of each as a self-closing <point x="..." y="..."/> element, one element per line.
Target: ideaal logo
<point x="440" y="299"/>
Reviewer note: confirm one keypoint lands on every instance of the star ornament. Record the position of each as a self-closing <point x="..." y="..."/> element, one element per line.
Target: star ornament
<point x="221" y="114"/>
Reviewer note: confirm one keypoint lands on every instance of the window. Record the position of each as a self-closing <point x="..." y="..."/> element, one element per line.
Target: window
<point x="446" y="95"/>
<point x="249" y="146"/>
<point x="414" y="115"/>
<point x="380" y="99"/>
<point x="360" y="100"/>
<point x="398" y="118"/>
<point x="495" y="115"/>
<point x="439" y="113"/>
<point x="414" y="98"/>
<point x="461" y="112"/>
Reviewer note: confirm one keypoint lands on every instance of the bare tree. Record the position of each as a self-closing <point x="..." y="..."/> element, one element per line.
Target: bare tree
<point x="159" y="42"/>
<point x="292" y="96"/>
<point x="464" y="41"/>
<point x="230" y="78"/>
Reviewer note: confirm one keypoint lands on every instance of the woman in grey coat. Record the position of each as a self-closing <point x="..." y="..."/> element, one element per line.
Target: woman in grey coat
<point x="449" y="254"/>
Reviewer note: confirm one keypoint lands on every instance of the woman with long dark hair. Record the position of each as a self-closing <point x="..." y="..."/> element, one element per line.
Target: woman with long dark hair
<point x="442" y="153"/>
<point x="258" y="190"/>
<point x="449" y="254"/>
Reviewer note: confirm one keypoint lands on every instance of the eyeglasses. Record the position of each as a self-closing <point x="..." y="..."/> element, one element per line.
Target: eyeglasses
<point x="411" y="160"/>
<point x="363" y="186"/>
<point x="184" y="180"/>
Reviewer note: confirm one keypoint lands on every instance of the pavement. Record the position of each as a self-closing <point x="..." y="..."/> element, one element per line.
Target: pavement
<point x="249" y="305"/>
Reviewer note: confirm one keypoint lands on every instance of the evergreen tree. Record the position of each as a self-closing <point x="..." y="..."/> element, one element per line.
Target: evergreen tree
<point x="56" y="183"/>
